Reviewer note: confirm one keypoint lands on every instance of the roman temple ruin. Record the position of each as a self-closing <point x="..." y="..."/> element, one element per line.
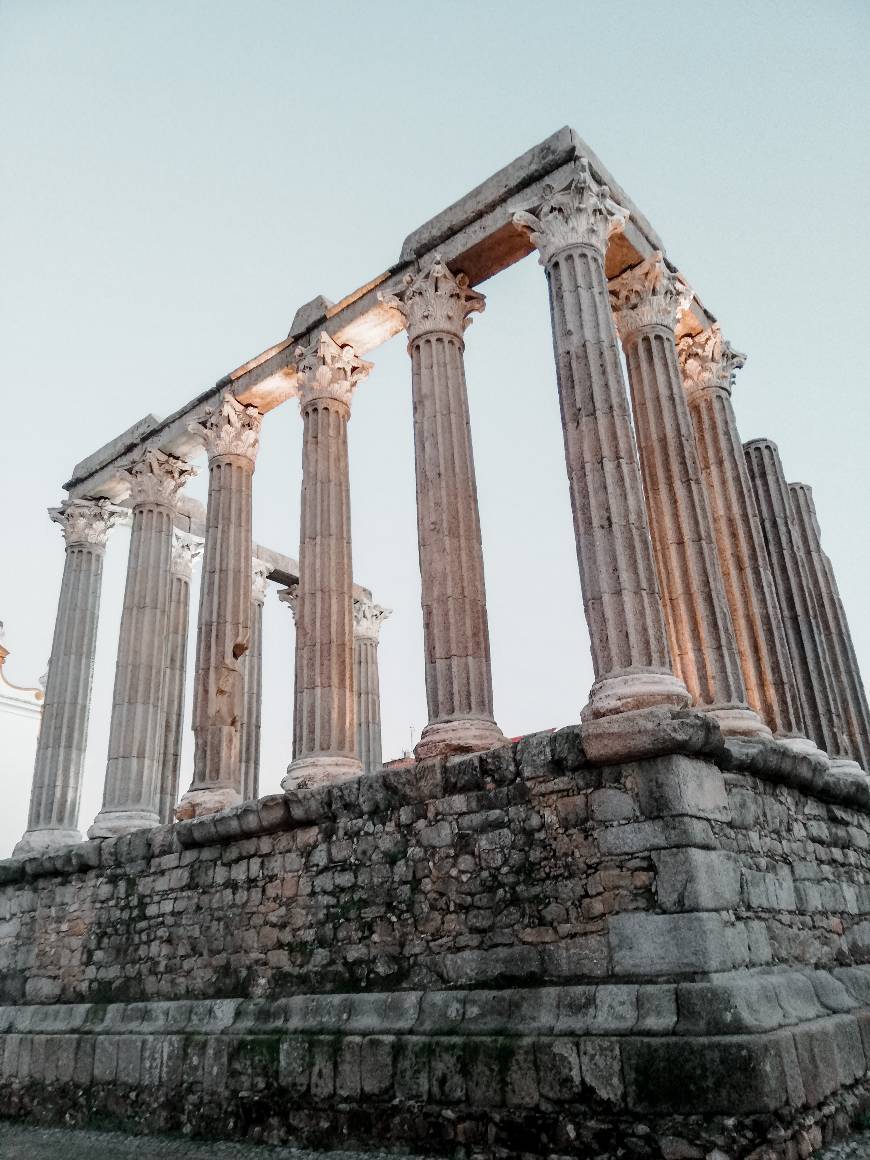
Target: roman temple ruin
<point x="648" y="930"/>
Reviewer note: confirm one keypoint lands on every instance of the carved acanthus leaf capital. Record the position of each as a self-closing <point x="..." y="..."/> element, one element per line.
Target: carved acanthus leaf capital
<point x="326" y="370"/>
<point x="581" y="212"/>
<point x="436" y="300"/>
<point x="368" y="618"/>
<point x="648" y="295"/>
<point x="156" y="477"/>
<point x="85" y="521"/>
<point x="290" y="597"/>
<point x="259" y="575"/>
<point x="709" y="361"/>
<point x="186" y="549"/>
<point x="230" y="428"/>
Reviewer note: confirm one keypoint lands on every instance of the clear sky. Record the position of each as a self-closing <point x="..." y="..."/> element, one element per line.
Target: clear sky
<point x="179" y="175"/>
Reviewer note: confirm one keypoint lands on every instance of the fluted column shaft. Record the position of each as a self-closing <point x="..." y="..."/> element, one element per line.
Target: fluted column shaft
<point x="648" y="300"/>
<point x="709" y="365"/>
<point x="250" y="740"/>
<point x="809" y="655"/>
<point x="131" y="792"/>
<point x="60" y="751"/>
<point x="834" y="626"/>
<point x="184" y="550"/>
<point x="435" y="307"/>
<point x="230" y="433"/>
<point x="367" y="618"/>
<point x="324" y="730"/>
<point x="621" y="598"/>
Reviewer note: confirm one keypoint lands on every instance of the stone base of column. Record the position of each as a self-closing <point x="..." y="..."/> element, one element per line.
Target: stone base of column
<point x="321" y="769"/>
<point x="35" y="842"/>
<point x="804" y="746"/>
<point x="638" y="689"/>
<point x="196" y="803"/>
<point x="114" y="823"/>
<point x="740" y="721"/>
<point x="469" y="735"/>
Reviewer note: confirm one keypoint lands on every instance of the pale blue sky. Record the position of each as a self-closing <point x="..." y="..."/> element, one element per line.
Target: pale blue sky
<point x="179" y="176"/>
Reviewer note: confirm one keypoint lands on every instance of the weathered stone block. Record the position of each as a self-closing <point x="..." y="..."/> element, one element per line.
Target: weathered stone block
<point x="688" y="879"/>
<point x="657" y="944"/>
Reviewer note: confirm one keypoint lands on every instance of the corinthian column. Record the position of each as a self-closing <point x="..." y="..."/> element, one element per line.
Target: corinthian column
<point x="185" y="549"/>
<point x="709" y="365"/>
<point x="621" y="598"/>
<point x="324" y="742"/>
<point x="647" y="302"/>
<point x="131" y="793"/>
<point x="834" y="625"/>
<point x="231" y="435"/>
<point x="60" y="752"/>
<point x="809" y="655"/>
<point x="367" y="620"/>
<point x="435" y="307"/>
<point x="250" y="741"/>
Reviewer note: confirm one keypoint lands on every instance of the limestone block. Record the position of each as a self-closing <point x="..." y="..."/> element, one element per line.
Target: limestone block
<point x="689" y="879"/>
<point x="681" y="785"/>
<point x="646" y="733"/>
<point x="658" y="944"/>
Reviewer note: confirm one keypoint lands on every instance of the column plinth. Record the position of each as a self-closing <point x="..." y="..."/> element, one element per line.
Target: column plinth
<point x="367" y="620"/>
<point x="60" y="752"/>
<point x="131" y="792"/>
<point x="834" y="625"/>
<point x="809" y="657"/>
<point x="230" y="433"/>
<point x="647" y="301"/>
<point x="435" y="307"/>
<point x="185" y="550"/>
<point x="250" y="739"/>
<point x="324" y="741"/>
<point x="630" y="656"/>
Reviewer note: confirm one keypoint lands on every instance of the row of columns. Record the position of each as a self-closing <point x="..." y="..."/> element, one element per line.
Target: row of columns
<point x="702" y="574"/>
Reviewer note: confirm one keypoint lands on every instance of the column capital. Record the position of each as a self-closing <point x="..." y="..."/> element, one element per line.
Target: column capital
<point x="649" y="294"/>
<point x="85" y="521"/>
<point x="290" y="597"/>
<point x="581" y="212"/>
<point x="326" y="370"/>
<point x="708" y="361"/>
<point x="435" y="299"/>
<point x="155" y="477"/>
<point x="259" y="575"/>
<point x="186" y="549"/>
<point x="368" y="618"/>
<point x="230" y="428"/>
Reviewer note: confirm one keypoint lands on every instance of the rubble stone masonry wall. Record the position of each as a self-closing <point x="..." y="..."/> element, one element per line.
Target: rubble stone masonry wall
<point x="536" y="949"/>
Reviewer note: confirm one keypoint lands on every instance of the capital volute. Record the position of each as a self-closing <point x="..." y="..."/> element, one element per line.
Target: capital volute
<point x="327" y="371"/>
<point x="259" y="576"/>
<point x="708" y="361"/>
<point x="290" y="597"/>
<point x="580" y="212"/>
<point x="156" y="478"/>
<point x="649" y="294"/>
<point x="186" y="549"/>
<point x="85" y="521"/>
<point x="368" y="618"/>
<point x="230" y="428"/>
<point x="436" y="299"/>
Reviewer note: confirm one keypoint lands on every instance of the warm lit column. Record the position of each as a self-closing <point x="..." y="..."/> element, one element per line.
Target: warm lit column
<point x="60" y="752"/>
<point x="250" y="742"/>
<point x="231" y="435"/>
<point x="131" y="793"/>
<point x="435" y="306"/>
<point x="835" y="627"/>
<point x="367" y="620"/>
<point x="623" y="607"/>
<point x="185" y="549"/>
<point x="324" y="742"/>
<point x="809" y="655"/>
<point x="709" y="365"/>
<point x="647" y="301"/>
